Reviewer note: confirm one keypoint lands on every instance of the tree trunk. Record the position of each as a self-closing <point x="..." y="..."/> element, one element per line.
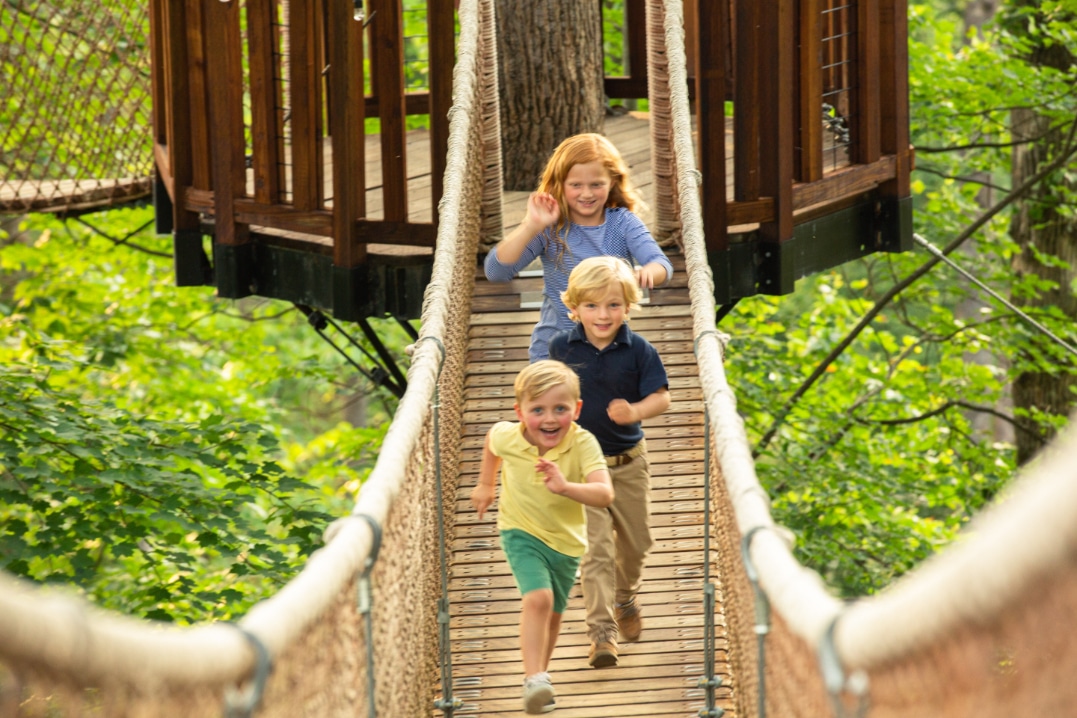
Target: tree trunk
<point x="550" y="56"/>
<point x="1038" y="227"/>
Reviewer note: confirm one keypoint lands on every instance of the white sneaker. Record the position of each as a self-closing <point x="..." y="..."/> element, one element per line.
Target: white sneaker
<point x="538" y="694"/>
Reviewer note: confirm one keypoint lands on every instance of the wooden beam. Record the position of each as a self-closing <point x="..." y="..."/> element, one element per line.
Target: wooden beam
<point x="776" y="117"/>
<point x="305" y="107"/>
<point x="866" y="129"/>
<point x="197" y="103"/>
<point x="894" y="92"/>
<point x="346" y="128"/>
<point x="387" y="61"/>
<point x="746" y="110"/>
<point x="440" y="20"/>
<point x="224" y="68"/>
<point x="710" y="40"/>
<point x="177" y="171"/>
<point x="267" y="111"/>
<point x="810" y="96"/>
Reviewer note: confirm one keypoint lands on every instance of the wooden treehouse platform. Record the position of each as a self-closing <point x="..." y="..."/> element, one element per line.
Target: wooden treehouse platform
<point x="658" y="676"/>
<point x="259" y="110"/>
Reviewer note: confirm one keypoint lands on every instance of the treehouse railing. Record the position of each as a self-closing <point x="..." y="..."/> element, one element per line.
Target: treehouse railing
<point x="260" y="113"/>
<point x="819" y="119"/>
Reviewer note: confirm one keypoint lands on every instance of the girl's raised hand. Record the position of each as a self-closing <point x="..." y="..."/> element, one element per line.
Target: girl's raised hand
<point x="543" y="209"/>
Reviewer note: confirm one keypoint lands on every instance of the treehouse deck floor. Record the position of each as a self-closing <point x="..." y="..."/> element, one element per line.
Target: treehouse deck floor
<point x="656" y="676"/>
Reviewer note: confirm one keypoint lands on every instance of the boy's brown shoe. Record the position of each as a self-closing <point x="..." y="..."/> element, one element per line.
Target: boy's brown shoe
<point x="603" y="654"/>
<point x="629" y="621"/>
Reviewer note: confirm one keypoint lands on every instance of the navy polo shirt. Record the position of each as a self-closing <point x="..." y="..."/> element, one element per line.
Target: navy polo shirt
<point x="629" y="368"/>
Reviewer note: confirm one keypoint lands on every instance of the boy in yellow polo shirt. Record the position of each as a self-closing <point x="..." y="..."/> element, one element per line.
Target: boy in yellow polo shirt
<point x="550" y="469"/>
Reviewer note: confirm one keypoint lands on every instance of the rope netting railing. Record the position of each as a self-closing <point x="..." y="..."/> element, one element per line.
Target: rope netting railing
<point x="75" y="123"/>
<point x="61" y="657"/>
<point x="980" y="629"/>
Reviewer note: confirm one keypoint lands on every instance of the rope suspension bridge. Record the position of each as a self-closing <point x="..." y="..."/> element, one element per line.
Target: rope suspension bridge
<point x="408" y="609"/>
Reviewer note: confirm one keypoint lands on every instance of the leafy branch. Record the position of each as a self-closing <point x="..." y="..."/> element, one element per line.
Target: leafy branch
<point x="1069" y="150"/>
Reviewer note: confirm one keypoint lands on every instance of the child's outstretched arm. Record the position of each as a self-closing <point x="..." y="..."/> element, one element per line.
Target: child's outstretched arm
<point x="482" y="496"/>
<point x="623" y="413"/>
<point x="651" y="275"/>
<point x="597" y="491"/>
<point x="542" y="211"/>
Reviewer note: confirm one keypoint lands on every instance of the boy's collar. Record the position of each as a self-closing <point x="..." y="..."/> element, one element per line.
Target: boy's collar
<point x="623" y="336"/>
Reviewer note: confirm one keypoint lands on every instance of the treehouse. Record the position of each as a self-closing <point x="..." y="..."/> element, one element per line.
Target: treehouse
<point x="286" y="167"/>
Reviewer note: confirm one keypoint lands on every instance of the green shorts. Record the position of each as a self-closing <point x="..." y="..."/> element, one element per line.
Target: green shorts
<point x="535" y="566"/>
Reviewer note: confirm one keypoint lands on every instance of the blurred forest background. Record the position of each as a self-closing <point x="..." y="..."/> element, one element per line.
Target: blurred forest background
<point x="177" y="456"/>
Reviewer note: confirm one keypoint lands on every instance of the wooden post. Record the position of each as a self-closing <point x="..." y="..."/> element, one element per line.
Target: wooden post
<point x="746" y="114"/>
<point x="267" y="112"/>
<point x="387" y="62"/>
<point x="346" y="114"/>
<point x="305" y="79"/>
<point x="776" y="117"/>
<point x="440" y="16"/>
<point x="712" y="34"/>
<point x="810" y="96"/>
<point x="867" y="86"/>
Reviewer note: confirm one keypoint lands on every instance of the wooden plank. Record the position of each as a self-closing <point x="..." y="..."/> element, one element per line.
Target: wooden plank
<point x="847" y="182"/>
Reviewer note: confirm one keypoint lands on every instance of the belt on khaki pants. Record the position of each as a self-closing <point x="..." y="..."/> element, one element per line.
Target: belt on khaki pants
<point x="626" y="457"/>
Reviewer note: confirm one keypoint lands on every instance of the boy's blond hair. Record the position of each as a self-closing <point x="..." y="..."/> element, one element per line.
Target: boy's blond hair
<point x="592" y="278"/>
<point x="540" y="377"/>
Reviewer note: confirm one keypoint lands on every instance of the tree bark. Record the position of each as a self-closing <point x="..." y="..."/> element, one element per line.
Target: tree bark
<point x="550" y="56"/>
<point x="1038" y="227"/>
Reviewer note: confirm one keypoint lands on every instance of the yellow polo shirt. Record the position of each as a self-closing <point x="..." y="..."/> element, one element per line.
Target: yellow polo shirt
<point x="526" y="504"/>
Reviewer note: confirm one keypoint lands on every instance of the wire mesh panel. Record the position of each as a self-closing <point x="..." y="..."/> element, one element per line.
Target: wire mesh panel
<point x="75" y="120"/>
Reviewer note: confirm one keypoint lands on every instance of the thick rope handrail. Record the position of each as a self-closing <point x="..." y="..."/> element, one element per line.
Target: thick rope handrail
<point x="69" y="635"/>
<point x="792" y="589"/>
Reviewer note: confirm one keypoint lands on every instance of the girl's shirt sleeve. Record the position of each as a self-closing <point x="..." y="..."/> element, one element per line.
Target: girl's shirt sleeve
<point x="498" y="271"/>
<point x="643" y="247"/>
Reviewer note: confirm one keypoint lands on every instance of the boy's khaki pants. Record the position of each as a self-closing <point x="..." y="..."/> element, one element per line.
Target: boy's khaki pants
<point x="619" y="539"/>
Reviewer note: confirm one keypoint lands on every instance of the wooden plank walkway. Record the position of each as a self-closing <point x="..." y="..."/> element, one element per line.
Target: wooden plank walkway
<point x="656" y="677"/>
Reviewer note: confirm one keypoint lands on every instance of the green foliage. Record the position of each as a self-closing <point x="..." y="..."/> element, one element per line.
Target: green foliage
<point x="174" y="455"/>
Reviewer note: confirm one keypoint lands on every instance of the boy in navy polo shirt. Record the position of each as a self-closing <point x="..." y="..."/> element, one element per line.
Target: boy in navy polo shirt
<point x="622" y="382"/>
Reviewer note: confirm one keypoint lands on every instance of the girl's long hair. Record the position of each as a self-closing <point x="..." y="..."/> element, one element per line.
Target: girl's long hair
<point x="582" y="149"/>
